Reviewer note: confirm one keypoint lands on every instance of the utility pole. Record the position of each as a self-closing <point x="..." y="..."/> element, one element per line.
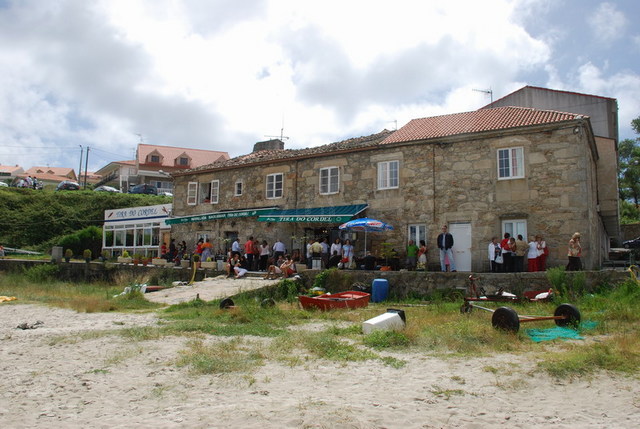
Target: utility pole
<point x="80" y="168"/>
<point x="86" y="164"/>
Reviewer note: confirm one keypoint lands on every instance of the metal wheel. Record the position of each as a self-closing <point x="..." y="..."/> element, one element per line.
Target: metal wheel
<point x="506" y="318"/>
<point x="571" y="315"/>
<point x="226" y="303"/>
<point x="267" y="302"/>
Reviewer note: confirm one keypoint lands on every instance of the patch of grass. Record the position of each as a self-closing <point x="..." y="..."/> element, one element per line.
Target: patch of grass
<point x="144" y="333"/>
<point x="318" y="345"/>
<point x="327" y="346"/>
<point x="248" y="318"/>
<point x="393" y="362"/>
<point x="224" y="357"/>
<point x="123" y="355"/>
<point x="82" y="297"/>
<point x="620" y="353"/>
<point x="386" y="339"/>
<point x="446" y="393"/>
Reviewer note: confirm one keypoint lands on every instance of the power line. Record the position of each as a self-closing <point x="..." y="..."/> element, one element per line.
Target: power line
<point x="42" y="147"/>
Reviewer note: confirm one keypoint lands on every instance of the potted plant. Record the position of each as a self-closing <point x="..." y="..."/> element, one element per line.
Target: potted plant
<point x="104" y="256"/>
<point x="68" y="254"/>
<point x="87" y="255"/>
<point x="125" y="258"/>
<point x="209" y="263"/>
<point x="158" y="261"/>
<point x="185" y="262"/>
<point x="387" y="252"/>
<point x="144" y="261"/>
<point x="137" y="258"/>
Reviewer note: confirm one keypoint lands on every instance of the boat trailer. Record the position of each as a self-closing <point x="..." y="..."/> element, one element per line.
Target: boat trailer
<point x="506" y="318"/>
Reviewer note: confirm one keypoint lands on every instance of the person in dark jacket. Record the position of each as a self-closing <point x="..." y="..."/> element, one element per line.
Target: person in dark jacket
<point x="445" y="243"/>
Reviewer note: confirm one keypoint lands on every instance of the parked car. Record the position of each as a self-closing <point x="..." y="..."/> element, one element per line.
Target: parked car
<point x="166" y="194"/>
<point x="105" y="188"/>
<point x="68" y="185"/>
<point x="144" y="188"/>
<point x="3" y="185"/>
<point x="631" y="244"/>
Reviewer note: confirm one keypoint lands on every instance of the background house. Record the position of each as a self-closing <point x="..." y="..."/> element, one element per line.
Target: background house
<point x="154" y="165"/>
<point x="48" y="176"/>
<point x="483" y="173"/>
<point x="9" y="172"/>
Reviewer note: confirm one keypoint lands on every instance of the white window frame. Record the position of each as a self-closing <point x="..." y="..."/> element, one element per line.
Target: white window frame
<point x="515" y="227"/>
<point x="192" y="193"/>
<point x="511" y="167"/>
<point x="417" y="232"/>
<point x="215" y="192"/>
<point x="238" y="188"/>
<point x="386" y="177"/>
<point x="329" y="180"/>
<point x="273" y="191"/>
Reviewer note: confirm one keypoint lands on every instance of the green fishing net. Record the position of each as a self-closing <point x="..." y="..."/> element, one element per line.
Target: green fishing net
<point x="560" y="332"/>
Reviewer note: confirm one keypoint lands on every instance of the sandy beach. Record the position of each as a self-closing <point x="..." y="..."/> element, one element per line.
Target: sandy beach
<point x="74" y="371"/>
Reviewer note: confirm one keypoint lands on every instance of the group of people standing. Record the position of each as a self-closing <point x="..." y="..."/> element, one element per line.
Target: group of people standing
<point x="508" y="255"/>
<point x="339" y="254"/>
<point x="257" y="253"/>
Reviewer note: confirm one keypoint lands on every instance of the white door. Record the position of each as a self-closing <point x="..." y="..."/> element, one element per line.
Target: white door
<point x="461" y="245"/>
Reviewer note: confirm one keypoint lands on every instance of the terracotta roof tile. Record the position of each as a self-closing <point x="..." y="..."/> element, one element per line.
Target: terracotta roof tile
<point x="499" y="118"/>
<point x="10" y="168"/>
<point x="56" y="171"/>
<point x="273" y="155"/>
<point x="198" y="157"/>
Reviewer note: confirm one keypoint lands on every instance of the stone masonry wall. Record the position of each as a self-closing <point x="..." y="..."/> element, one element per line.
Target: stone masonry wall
<point x="450" y="181"/>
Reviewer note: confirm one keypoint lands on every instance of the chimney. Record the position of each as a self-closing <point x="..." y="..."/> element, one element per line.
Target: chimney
<point x="274" y="144"/>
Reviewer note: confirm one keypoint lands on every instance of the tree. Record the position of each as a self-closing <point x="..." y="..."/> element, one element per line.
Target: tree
<point x="629" y="167"/>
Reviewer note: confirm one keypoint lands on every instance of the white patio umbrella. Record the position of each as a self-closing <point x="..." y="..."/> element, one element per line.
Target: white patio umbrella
<point x="367" y="225"/>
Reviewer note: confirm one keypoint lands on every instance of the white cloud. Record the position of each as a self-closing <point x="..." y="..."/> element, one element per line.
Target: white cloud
<point x="607" y="23"/>
<point x="221" y="74"/>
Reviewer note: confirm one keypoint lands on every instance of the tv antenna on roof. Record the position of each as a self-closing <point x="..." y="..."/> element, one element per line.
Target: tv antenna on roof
<point x="486" y="91"/>
<point x="141" y="139"/>
<point x="281" y="136"/>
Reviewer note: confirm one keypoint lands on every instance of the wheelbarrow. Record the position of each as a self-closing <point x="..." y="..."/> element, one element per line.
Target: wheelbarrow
<point x="506" y="318"/>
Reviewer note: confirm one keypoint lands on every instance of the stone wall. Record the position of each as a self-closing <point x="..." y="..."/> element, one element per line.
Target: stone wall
<point x="402" y="284"/>
<point x="413" y="284"/>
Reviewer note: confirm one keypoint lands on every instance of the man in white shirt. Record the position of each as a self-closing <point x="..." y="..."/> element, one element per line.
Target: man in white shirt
<point x="236" y="248"/>
<point x="278" y="249"/>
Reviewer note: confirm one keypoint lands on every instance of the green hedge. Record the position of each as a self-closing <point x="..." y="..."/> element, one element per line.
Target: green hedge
<point x="38" y="219"/>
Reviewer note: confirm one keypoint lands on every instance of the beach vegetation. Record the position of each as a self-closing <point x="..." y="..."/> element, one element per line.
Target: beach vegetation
<point x="285" y="333"/>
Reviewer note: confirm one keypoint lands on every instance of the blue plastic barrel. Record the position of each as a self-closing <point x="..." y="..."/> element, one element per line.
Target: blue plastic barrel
<point x="379" y="290"/>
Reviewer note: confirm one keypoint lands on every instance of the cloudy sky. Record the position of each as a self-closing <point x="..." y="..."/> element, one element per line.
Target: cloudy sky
<point x="224" y="74"/>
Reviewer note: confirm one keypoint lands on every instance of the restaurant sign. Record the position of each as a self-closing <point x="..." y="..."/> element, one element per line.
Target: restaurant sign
<point x="218" y="215"/>
<point x="307" y="218"/>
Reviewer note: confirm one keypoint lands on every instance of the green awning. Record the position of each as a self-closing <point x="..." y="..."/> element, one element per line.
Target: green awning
<point x="336" y="214"/>
<point x="219" y="215"/>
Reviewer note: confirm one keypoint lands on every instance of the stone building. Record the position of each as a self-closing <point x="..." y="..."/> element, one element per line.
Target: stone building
<point x="483" y="173"/>
<point x="603" y="116"/>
